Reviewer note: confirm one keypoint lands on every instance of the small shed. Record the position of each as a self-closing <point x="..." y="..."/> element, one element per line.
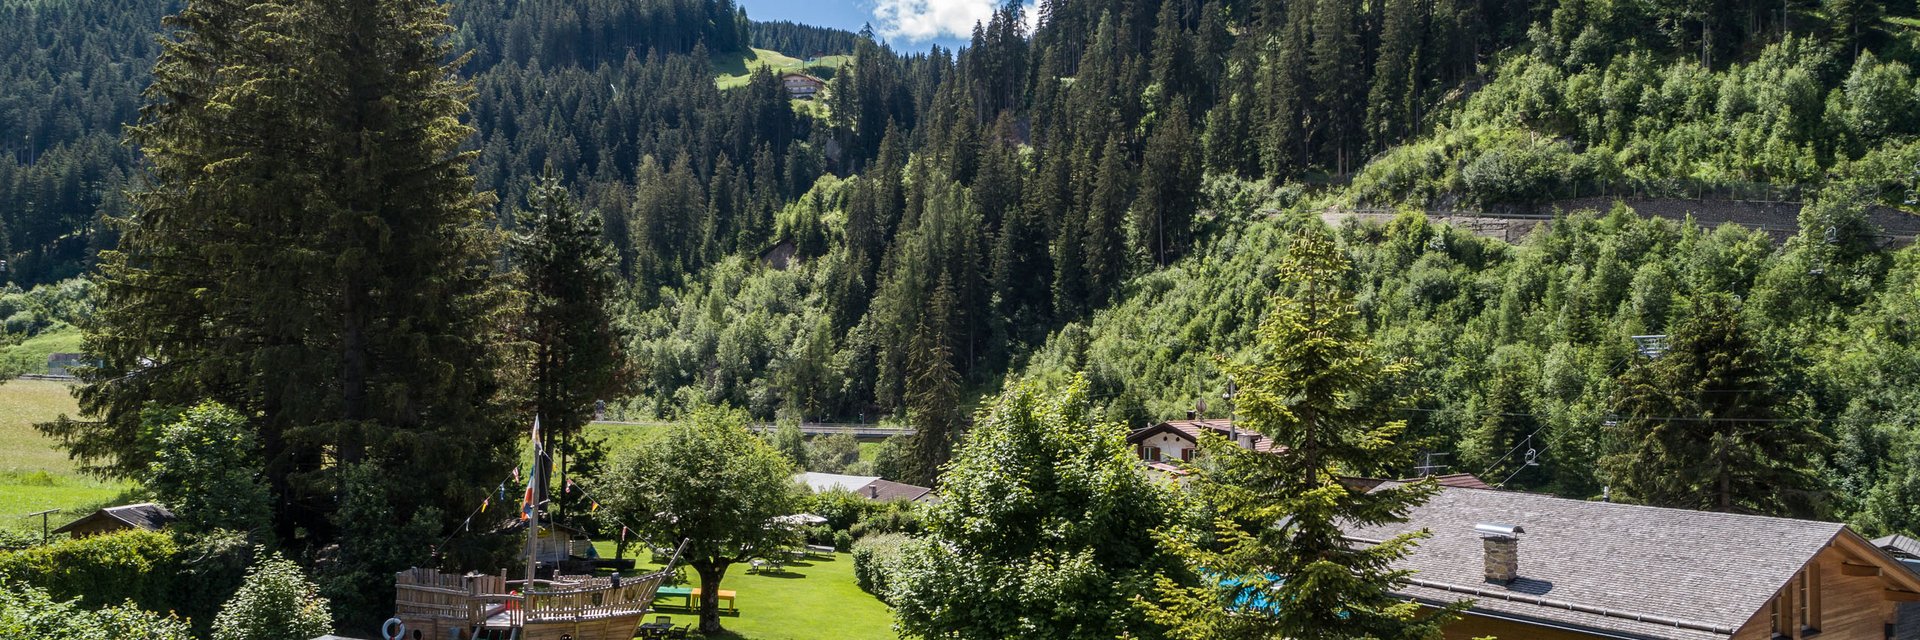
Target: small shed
<point x="145" y="515"/>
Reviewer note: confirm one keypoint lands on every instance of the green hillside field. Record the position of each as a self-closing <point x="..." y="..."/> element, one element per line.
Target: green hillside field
<point x="34" y="473"/>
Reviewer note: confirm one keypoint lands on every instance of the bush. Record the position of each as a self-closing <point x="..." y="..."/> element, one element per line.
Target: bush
<point x="871" y="557"/>
<point x="842" y="541"/>
<point x="277" y="602"/>
<point x="898" y="516"/>
<point x="29" y="612"/>
<point x="840" y="508"/>
<point x="131" y="565"/>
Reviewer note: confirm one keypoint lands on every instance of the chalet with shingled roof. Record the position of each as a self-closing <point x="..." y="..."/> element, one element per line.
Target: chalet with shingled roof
<point x="1546" y="568"/>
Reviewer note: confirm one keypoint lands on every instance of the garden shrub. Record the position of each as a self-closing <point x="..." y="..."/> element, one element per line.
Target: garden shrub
<point x="842" y="541"/>
<point x="277" y="602"/>
<point x="871" y="555"/>
<point x="29" y="612"/>
<point x="131" y="565"/>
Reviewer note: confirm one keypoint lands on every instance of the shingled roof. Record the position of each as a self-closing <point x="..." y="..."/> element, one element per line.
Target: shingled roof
<point x="1627" y="571"/>
<point x="145" y="515"/>
<point x="1900" y="546"/>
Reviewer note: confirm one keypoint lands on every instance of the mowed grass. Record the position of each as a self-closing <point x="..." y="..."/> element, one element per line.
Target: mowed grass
<point x="808" y="600"/>
<point x="733" y="69"/>
<point x="35" y="474"/>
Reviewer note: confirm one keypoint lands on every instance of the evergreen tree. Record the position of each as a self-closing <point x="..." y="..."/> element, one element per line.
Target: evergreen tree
<point x="1162" y="223"/>
<point x="1281" y="517"/>
<point x="567" y="271"/>
<point x="1334" y="64"/>
<point x="1391" y="111"/>
<point x="1705" y="426"/>
<point x="933" y="391"/>
<point x="1104" y="227"/>
<point x="309" y="250"/>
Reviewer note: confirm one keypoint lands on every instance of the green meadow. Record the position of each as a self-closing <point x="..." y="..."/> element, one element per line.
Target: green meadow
<point x="34" y="473"/>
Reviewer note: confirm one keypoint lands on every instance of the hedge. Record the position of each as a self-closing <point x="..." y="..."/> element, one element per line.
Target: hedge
<point x="871" y="555"/>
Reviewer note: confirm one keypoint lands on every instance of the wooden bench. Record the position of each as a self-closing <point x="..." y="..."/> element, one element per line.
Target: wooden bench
<point x="726" y="598"/>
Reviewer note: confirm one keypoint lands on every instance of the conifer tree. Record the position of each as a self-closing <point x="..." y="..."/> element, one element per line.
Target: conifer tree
<point x="308" y="250"/>
<point x="1162" y="223"/>
<point x="1703" y="426"/>
<point x="1334" y="64"/>
<point x="933" y="390"/>
<point x="1105" y="223"/>
<point x="1278" y="551"/>
<point x="567" y="271"/>
<point x="1391" y="101"/>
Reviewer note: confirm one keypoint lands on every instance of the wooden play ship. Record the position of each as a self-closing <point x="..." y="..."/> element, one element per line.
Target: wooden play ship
<point x="430" y="605"/>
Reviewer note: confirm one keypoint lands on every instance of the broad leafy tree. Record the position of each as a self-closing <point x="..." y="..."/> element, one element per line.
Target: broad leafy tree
<point x="1043" y="529"/>
<point x="1277" y="564"/>
<point x="206" y="468"/>
<point x="1708" y="424"/>
<point x="710" y="483"/>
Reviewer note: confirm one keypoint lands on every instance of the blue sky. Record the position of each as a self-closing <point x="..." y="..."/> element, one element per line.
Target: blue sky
<point x="906" y="24"/>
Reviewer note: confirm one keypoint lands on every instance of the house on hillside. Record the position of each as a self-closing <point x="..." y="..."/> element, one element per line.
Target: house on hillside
<point x="1160" y="445"/>
<point x="1547" y="568"/>
<point x="873" y="488"/>
<point x="801" y="86"/>
<point x="145" y="515"/>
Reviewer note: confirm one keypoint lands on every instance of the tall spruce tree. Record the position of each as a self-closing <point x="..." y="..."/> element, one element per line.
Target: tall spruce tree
<point x="1278" y="565"/>
<point x="309" y="250"/>
<point x="1708" y="425"/>
<point x="567" y="271"/>
<point x="933" y="390"/>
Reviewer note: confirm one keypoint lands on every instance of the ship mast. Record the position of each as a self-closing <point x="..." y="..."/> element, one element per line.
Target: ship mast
<point x="533" y="516"/>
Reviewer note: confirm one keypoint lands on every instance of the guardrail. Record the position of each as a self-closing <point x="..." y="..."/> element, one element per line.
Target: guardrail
<point x="857" y="430"/>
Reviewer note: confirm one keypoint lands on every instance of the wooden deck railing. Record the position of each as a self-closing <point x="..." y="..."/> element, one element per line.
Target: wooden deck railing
<point x="598" y="599"/>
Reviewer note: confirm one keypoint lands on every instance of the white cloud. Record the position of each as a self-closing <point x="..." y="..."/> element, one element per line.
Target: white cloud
<point x="916" y="20"/>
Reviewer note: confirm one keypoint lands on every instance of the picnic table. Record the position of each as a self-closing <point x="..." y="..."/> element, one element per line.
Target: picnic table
<point x="688" y="595"/>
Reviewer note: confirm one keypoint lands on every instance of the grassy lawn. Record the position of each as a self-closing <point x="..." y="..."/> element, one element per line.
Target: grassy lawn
<point x="813" y="599"/>
<point x="732" y="70"/>
<point x="34" y="474"/>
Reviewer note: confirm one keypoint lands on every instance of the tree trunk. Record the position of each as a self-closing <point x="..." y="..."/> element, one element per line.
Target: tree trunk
<point x="710" y="575"/>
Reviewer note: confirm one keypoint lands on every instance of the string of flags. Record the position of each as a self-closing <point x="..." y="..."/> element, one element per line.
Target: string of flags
<point x="527" y="501"/>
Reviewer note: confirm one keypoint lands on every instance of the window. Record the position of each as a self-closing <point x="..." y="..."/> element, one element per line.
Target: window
<point x="1186" y="455"/>
<point x="1809" y="600"/>
<point x="1153" y="454"/>
<point x="1774" y="623"/>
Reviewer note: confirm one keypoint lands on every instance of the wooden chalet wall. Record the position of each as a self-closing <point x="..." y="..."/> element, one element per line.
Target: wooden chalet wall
<point x="1851" y="607"/>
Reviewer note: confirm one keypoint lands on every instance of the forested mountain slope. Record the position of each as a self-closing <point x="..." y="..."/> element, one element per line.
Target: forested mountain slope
<point x="1028" y="203"/>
